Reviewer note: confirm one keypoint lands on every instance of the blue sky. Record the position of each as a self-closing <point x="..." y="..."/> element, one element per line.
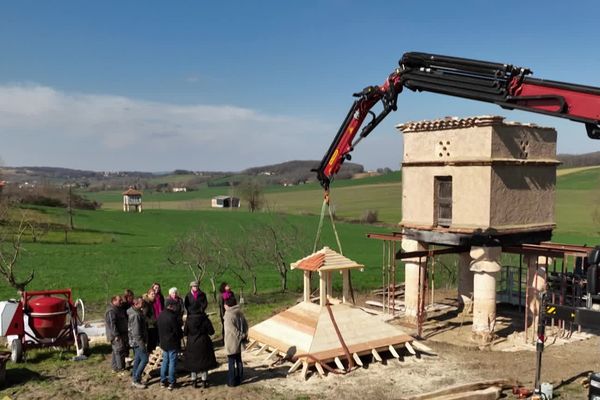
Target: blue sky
<point x="154" y="86"/>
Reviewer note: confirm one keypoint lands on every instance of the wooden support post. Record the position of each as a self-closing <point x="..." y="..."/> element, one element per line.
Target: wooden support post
<point x="262" y="348"/>
<point x="357" y="360"/>
<point x="394" y="352"/>
<point x="329" y="284"/>
<point x="410" y="349"/>
<point x="421" y="347"/>
<point x="376" y="356"/>
<point x="346" y="296"/>
<point x="339" y="364"/>
<point x="294" y="367"/>
<point x="251" y="345"/>
<point x="271" y="356"/>
<point x="304" y="369"/>
<point x="322" y="288"/>
<point x="307" y="286"/>
<point x="320" y="370"/>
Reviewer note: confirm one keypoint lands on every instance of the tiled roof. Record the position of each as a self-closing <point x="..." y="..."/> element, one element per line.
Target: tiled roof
<point x="455" y="123"/>
<point x="325" y="260"/>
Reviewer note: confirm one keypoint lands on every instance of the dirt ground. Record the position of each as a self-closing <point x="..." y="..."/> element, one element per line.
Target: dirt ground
<point x="456" y="360"/>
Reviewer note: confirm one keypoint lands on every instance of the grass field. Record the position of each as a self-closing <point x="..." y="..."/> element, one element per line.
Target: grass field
<point x="111" y="250"/>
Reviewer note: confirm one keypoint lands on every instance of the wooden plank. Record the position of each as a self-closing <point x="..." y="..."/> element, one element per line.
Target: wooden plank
<point x="304" y="369"/>
<point x="422" y="347"/>
<point x="463" y="388"/>
<point x="410" y="349"/>
<point x="271" y="356"/>
<point x="320" y="370"/>
<point x="294" y="367"/>
<point x="262" y="349"/>
<point x="339" y="364"/>
<point x="357" y="360"/>
<point x="251" y="345"/>
<point x="376" y="355"/>
<point x="394" y="352"/>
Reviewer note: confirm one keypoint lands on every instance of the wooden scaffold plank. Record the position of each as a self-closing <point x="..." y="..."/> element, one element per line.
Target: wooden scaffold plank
<point x="338" y="363"/>
<point x="357" y="360"/>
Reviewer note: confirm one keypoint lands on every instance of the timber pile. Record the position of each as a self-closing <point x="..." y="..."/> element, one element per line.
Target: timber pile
<point x="398" y="290"/>
<point x="484" y="390"/>
<point x="154" y="363"/>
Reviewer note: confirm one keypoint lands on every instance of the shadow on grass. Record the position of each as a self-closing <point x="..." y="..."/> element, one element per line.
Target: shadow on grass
<point x="20" y="376"/>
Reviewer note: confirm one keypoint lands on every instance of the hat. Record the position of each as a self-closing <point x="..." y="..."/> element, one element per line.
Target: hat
<point x="193" y="283"/>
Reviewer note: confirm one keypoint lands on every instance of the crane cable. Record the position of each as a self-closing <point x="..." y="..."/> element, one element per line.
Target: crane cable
<point x="326" y="200"/>
<point x="328" y="207"/>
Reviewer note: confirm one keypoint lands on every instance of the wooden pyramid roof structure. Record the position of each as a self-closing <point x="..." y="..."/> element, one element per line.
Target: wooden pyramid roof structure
<point x="325" y="260"/>
<point x="314" y="335"/>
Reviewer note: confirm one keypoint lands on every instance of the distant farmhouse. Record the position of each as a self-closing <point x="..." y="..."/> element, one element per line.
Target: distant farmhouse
<point x="225" y="202"/>
<point x="132" y="200"/>
<point x="179" y="189"/>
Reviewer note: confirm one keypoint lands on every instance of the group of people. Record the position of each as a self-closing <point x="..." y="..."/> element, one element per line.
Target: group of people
<point x="141" y="324"/>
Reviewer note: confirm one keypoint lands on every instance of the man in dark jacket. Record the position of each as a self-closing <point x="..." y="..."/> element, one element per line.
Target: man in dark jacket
<point x="116" y="333"/>
<point x="138" y="339"/>
<point x="195" y="301"/>
<point x="169" y="335"/>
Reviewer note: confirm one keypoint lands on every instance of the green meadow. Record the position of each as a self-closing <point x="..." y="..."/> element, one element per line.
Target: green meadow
<point x="110" y="250"/>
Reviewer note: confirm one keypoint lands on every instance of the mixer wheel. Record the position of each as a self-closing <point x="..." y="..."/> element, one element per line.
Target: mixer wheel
<point x="16" y="350"/>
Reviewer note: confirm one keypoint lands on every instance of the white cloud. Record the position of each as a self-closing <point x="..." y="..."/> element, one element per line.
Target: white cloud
<point x="40" y="125"/>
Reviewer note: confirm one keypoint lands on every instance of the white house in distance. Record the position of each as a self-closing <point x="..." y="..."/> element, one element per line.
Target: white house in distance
<point x="225" y="202"/>
<point x="132" y="200"/>
<point x="179" y="189"/>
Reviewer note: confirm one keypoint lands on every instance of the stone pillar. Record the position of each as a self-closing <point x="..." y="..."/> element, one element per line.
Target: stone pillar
<point x="346" y="296"/>
<point x="413" y="268"/>
<point x="536" y="276"/>
<point x="485" y="266"/>
<point x="465" y="283"/>
<point x="307" y="286"/>
<point x="322" y="288"/>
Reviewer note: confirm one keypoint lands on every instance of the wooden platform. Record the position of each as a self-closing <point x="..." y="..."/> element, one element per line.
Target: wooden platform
<point x="305" y="334"/>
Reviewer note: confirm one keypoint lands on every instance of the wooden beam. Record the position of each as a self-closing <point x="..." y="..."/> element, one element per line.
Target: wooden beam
<point x="394" y="352"/>
<point x="294" y="367"/>
<point x="262" y="348"/>
<point x="304" y="369"/>
<point x="410" y="349"/>
<point x="271" y="356"/>
<point x="376" y="356"/>
<point x="251" y="345"/>
<point x="357" y="360"/>
<point x="339" y="364"/>
<point x="320" y="370"/>
<point x="422" y="347"/>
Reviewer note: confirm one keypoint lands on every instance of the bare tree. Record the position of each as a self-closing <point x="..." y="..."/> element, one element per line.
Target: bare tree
<point x="281" y="242"/>
<point x="11" y="235"/>
<point x="251" y="190"/>
<point x="245" y="250"/>
<point x="202" y="252"/>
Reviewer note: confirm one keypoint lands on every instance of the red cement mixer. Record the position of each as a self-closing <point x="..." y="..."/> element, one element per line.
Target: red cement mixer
<point x="42" y="319"/>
